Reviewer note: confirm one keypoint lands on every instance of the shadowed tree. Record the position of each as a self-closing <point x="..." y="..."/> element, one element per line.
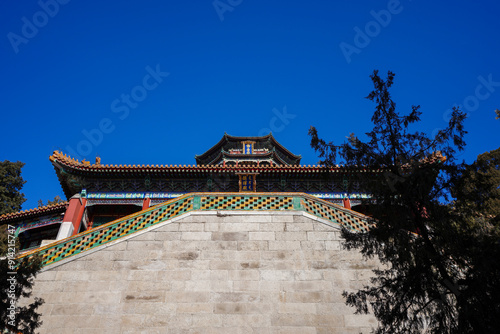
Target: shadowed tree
<point x="16" y="278"/>
<point x="11" y="183"/>
<point x="11" y="197"/>
<point x="22" y="319"/>
<point x="430" y="246"/>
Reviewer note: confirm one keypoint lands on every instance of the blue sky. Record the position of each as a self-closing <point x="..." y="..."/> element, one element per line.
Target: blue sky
<point x="156" y="82"/>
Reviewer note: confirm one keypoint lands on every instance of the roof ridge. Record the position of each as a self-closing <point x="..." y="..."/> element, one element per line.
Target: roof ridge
<point x="33" y="211"/>
<point x="72" y="162"/>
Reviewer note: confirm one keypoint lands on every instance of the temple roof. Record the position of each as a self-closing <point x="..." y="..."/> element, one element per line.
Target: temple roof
<point x="231" y="147"/>
<point x="32" y="213"/>
<point x="63" y="160"/>
<point x="66" y="166"/>
<point x="71" y="170"/>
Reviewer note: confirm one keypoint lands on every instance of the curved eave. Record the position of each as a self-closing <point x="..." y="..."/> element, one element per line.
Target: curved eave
<point x="62" y="181"/>
<point x="32" y="213"/>
<point x="239" y="138"/>
<point x="65" y="164"/>
<point x="276" y="143"/>
<point x="212" y="149"/>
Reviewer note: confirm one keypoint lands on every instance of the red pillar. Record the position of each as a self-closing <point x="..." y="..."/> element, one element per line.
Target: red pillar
<point x="74" y="213"/>
<point x="146" y="203"/>
<point x="347" y="203"/>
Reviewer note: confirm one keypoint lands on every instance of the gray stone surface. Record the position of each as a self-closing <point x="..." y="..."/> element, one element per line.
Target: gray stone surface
<point x="276" y="273"/>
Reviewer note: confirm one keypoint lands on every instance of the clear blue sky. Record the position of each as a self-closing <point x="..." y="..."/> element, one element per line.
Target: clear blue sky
<point x="68" y="69"/>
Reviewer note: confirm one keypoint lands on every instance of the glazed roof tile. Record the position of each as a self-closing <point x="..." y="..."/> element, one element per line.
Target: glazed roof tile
<point x="85" y="166"/>
<point x="33" y="212"/>
<point x="227" y="139"/>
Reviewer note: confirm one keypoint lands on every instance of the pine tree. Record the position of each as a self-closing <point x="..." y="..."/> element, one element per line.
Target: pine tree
<point x="11" y="183"/>
<point x="16" y="278"/>
<point x="433" y="252"/>
<point x="13" y="288"/>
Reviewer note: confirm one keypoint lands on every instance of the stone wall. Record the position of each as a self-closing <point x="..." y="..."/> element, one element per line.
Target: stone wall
<point x="241" y="272"/>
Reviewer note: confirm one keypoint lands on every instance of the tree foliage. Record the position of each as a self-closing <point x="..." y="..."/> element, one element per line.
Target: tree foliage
<point x="56" y="200"/>
<point x="433" y="252"/>
<point x="11" y="183"/>
<point x="11" y="197"/>
<point x="15" y="287"/>
<point x="478" y="191"/>
<point x="16" y="278"/>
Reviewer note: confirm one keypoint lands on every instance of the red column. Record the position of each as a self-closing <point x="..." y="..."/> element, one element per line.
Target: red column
<point x="74" y="213"/>
<point x="146" y="203"/>
<point x="347" y="203"/>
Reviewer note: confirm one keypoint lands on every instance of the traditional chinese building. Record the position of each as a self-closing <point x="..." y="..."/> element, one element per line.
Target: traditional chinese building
<point x="99" y="193"/>
<point x="247" y="238"/>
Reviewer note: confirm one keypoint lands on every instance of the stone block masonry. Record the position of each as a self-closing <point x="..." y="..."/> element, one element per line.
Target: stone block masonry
<point x="245" y="272"/>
